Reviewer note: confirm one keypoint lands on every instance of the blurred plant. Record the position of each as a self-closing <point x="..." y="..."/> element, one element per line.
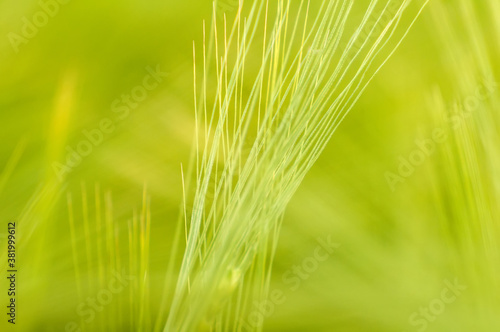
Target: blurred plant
<point x="99" y="266"/>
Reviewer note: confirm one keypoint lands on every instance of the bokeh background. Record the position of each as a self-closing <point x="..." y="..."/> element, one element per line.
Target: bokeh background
<point x="394" y="254"/>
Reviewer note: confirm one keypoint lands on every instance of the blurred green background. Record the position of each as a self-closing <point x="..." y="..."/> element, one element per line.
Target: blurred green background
<point x="63" y="81"/>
